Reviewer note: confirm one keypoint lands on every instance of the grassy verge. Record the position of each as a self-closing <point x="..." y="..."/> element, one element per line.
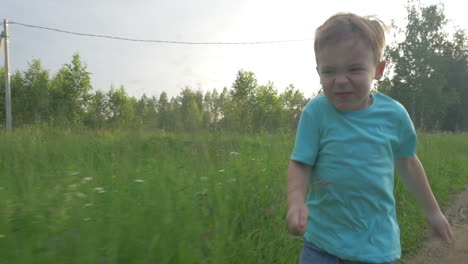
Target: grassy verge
<point x="88" y="197"/>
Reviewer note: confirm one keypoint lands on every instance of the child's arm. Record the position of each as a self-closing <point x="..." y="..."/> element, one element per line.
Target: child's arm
<point x="412" y="173"/>
<point x="298" y="187"/>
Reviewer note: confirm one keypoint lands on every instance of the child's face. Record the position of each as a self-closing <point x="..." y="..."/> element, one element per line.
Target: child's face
<point x="346" y="71"/>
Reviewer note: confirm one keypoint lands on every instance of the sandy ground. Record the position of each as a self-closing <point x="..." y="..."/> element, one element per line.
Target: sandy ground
<point x="435" y="251"/>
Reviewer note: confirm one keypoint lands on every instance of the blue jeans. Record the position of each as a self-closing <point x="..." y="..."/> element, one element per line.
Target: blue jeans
<point x="311" y="254"/>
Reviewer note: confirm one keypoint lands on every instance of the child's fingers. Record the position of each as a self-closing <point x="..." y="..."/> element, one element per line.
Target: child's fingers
<point x="303" y="219"/>
<point x="442" y="230"/>
<point x="446" y="230"/>
<point x="444" y="234"/>
<point x="297" y="221"/>
<point x="448" y="234"/>
<point x="293" y="222"/>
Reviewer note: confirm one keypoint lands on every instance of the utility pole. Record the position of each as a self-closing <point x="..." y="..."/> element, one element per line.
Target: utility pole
<point x="5" y="37"/>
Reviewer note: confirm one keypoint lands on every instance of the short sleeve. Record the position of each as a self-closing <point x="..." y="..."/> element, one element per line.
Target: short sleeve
<point x="407" y="138"/>
<point x="307" y="137"/>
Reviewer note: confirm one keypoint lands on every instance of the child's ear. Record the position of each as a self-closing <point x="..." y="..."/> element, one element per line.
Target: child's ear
<point x="379" y="70"/>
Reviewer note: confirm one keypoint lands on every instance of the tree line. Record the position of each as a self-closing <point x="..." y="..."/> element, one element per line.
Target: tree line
<point x="427" y="72"/>
<point x="67" y="99"/>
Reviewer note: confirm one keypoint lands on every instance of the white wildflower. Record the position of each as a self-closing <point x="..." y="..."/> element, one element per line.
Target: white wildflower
<point x="88" y="205"/>
<point x="99" y="190"/>
<point x="86" y="179"/>
<point x="219" y="186"/>
<point x="203" y="178"/>
<point x="139" y="181"/>
<point x="231" y="180"/>
<point x="80" y="195"/>
<point x="72" y="186"/>
<point x="233" y="153"/>
<point x="74" y="173"/>
<point x="202" y="193"/>
<point x="221" y="171"/>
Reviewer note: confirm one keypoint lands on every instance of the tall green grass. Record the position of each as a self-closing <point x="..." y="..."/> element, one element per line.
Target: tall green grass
<point x="97" y="197"/>
<point x="445" y="160"/>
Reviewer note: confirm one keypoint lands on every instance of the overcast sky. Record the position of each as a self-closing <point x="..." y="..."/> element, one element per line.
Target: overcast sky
<point x="152" y="68"/>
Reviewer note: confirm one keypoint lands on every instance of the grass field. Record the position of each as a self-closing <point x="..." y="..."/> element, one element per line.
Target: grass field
<point x="97" y="197"/>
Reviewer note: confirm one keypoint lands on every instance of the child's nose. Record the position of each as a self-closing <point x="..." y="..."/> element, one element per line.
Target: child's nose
<point x="341" y="79"/>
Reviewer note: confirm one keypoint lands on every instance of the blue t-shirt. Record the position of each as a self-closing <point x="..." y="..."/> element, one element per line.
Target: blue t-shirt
<point x="351" y="202"/>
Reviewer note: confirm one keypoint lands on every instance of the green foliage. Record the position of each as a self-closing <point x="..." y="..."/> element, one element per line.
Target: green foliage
<point x="146" y="114"/>
<point x="240" y="108"/>
<point x="35" y="99"/>
<point x="267" y="108"/>
<point x="164" y="112"/>
<point x="254" y="108"/>
<point x="429" y="71"/>
<point x="293" y="101"/>
<point x="70" y="89"/>
<point x="97" y="112"/>
<point x="120" y="108"/>
<point x="190" y="108"/>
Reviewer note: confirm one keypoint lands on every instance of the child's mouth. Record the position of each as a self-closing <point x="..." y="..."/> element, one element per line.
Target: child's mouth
<point x="343" y="95"/>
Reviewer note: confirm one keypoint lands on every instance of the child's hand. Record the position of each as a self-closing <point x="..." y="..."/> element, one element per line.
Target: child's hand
<point x="439" y="226"/>
<point x="297" y="219"/>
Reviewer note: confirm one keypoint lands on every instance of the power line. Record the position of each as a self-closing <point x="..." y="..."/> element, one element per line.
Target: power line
<point x="159" y="41"/>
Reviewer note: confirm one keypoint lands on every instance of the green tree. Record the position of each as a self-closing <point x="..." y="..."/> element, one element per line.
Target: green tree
<point x="164" y="112"/>
<point x="35" y="98"/>
<point x="176" y="114"/>
<point x="190" y="109"/>
<point x="267" y="109"/>
<point x="293" y="102"/>
<point x="223" y="105"/>
<point x="146" y="113"/>
<point x="120" y="106"/>
<point x="70" y="89"/>
<point x="424" y="80"/>
<point x="240" y="108"/>
<point x="97" y="112"/>
<point x="208" y="118"/>
<point x="455" y="67"/>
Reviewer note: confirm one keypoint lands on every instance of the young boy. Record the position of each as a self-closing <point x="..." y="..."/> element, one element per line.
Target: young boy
<point x="348" y="142"/>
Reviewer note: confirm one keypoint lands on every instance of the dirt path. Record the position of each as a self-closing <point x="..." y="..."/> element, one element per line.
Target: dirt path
<point x="435" y="251"/>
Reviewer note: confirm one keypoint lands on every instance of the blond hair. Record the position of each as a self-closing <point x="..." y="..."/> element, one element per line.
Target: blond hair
<point x="344" y="26"/>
